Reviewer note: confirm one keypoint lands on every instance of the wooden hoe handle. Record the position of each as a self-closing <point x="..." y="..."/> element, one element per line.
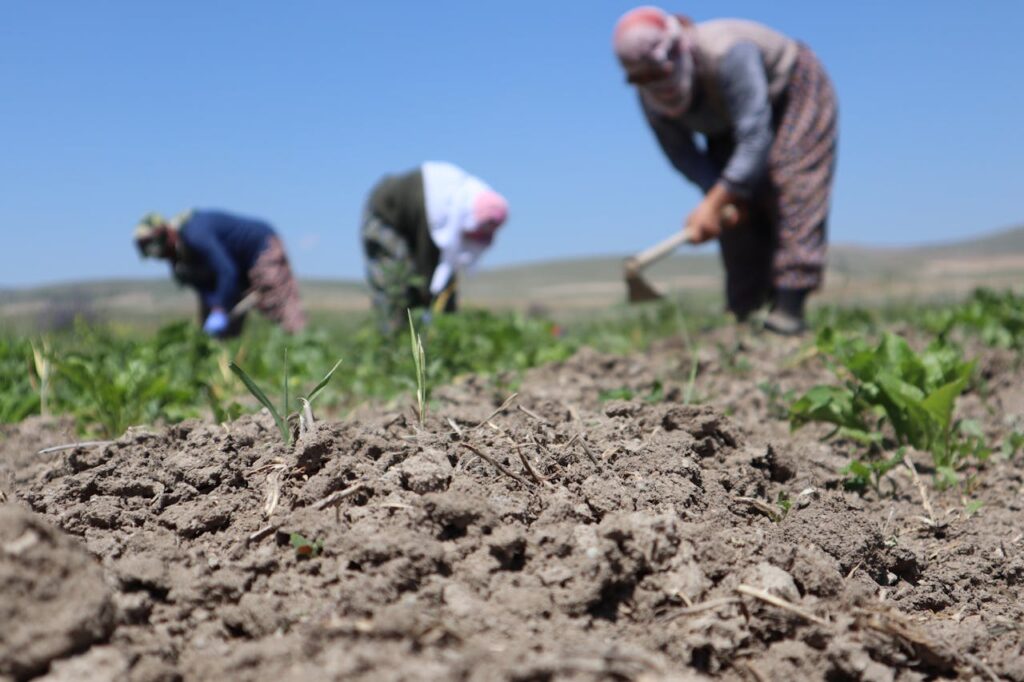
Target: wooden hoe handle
<point x="641" y="260"/>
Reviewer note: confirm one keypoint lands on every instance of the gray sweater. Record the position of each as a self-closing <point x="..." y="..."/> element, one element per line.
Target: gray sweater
<point x="742" y="70"/>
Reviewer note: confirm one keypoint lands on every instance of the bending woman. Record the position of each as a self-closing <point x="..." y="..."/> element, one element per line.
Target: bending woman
<point x="420" y="229"/>
<point x="226" y="258"/>
<point x="768" y="117"/>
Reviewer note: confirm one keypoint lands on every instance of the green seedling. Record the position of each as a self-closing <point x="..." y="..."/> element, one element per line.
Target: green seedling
<point x="973" y="507"/>
<point x="732" y="360"/>
<point x="844" y="318"/>
<point x="119" y="392"/>
<point x="972" y="442"/>
<point x="282" y="421"/>
<point x="1012" y="444"/>
<point x="257" y="392"/>
<point x="304" y="549"/>
<point x="110" y="381"/>
<point x="42" y="365"/>
<point x="420" y="362"/>
<point x="778" y="401"/>
<point x="784" y="503"/>
<point x="890" y="393"/>
<point x="861" y="475"/>
<point x="655" y="395"/>
<point x="996" y="317"/>
<point x="692" y="350"/>
<point x="623" y="393"/>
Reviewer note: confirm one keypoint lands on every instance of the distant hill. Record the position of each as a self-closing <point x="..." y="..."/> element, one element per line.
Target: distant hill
<point x="856" y="273"/>
<point x="994" y="243"/>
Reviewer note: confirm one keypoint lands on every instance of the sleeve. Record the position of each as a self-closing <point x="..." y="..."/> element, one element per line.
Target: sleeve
<point x="744" y="87"/>
<point x="201" y="239"/>
<point x="207" y="297"/>
<point x="677" y="143"/>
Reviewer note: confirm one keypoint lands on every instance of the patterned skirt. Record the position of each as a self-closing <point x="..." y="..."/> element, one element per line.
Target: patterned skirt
<point x="783" y="244"/>
<point x="272" y="280"/>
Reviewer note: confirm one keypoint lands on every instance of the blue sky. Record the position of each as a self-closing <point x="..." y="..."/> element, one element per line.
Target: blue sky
<point x="291" y="111"/>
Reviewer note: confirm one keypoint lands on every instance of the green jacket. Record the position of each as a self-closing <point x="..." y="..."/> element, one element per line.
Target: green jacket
<point x="398" y="201"/>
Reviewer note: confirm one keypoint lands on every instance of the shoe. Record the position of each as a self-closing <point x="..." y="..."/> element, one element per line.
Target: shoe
<point x="784" y="324"/>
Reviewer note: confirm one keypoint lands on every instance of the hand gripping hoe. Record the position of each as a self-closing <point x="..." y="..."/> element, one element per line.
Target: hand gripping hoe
<point x="639" y="290"/>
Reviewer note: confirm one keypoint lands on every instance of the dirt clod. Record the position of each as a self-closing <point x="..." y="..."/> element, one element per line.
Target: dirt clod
<point x="55" y="603"/>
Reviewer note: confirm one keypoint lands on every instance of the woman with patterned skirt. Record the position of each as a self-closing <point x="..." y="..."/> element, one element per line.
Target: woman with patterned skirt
<point x="226" y="258"/>
<point x="767" y="114"/>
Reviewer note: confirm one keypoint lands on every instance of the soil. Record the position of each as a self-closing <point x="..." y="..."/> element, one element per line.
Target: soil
<point x="559" y="535"/>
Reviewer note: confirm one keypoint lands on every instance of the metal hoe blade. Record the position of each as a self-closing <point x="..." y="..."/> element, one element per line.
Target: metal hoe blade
<point x="638" y="288"/>
<point x="639" y="291"/>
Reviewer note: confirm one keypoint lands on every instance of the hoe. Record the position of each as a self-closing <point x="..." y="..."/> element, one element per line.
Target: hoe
<point x="639" y="290"/>
<point x="244" y="306"/>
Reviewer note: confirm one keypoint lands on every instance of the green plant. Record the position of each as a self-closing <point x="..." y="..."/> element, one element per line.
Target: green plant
<point x="784" y="503"/>
<point x="692" y="350"/>
<point x="134" y="374"/>
<point x="996" y="317"/>
<point x="257" y="392"/>
<point x="19" y="396"/>
<point x="843" y="318"/>
<point x="972" y="441"/>
<point x="889" y="391"/>
<point x="281" y="419"/>
<point x="622" y="393"/>
<point x="655" y="395"/>
<point x="862" y="474"/>
<point x="43" y="366"/>
<point x="1012" y="444"/>
<point x="731" y="359"/>
<point x="777" y="400"/>
<point x="420" y="363"/>
<point x="118" y="383"/>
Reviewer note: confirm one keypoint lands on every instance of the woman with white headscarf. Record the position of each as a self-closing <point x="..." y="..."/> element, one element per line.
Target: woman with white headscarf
<point x="768" y="117"/>
<point x="421" y="229"/>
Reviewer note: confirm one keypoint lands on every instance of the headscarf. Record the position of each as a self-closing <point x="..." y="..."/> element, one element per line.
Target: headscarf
<point x="151" y="236"/>
<point x="648" y="38"/>
<point x="457" y="203"/>
<point x="489" y="207"/>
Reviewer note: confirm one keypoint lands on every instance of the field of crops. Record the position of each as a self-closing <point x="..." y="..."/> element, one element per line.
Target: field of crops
<point x="651" y="494"/>
<point x="110" y="377"/>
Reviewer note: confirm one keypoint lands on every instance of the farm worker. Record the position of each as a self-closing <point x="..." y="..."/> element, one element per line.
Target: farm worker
<point x="768" y="117"/>
<point x="225" y="258"/>
<point x="421" y="229"/>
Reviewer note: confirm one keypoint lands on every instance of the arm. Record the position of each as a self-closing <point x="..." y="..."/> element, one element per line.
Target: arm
<point x="678" y="145"/>
<point x="744" y="87"/>
<point x="207" y="297"/>
<point x="200" y="239"/>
